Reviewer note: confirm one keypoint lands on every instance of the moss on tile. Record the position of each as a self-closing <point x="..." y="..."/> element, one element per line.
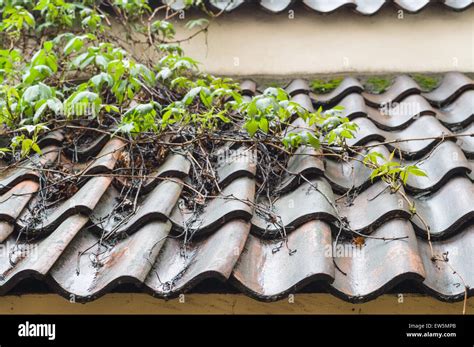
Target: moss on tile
<point x="273" y="84"/>
<point x="322" y="86"/>
<point x="426" y="83"/>
<point x="377" y="84"/>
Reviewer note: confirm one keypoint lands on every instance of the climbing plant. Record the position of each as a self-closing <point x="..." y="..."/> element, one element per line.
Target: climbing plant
<point x="62" y="63"/>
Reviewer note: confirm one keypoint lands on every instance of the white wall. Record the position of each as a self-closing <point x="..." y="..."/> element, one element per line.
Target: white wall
<point x="252" y="42"/>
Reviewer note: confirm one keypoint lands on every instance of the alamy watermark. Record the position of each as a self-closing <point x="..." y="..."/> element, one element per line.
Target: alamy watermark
<point x="397" y="109"/>
<point x="28" y="329"/>
<point x="346" y="250"/>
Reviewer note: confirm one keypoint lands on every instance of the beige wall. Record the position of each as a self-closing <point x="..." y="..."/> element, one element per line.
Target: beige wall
<point x="228" y="304"/>
<point x="253" y="42"/>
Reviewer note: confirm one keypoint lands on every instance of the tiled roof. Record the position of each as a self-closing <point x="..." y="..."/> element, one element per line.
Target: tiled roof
<point x="232" y="239"/>
<point x="364" y="7"/>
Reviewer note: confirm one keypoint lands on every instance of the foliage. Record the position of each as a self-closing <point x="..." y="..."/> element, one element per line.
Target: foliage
<point x="390" y="171"/>
<point x="377" y="85"/>
<point x="322" y="86"/>
<point x="426" y="83"/>
<point x="40" y="89"/>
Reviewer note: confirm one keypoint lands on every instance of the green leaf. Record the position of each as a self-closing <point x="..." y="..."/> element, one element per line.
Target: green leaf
<point x="37" y="92"/>
<point x="263" y="125"/>
<point x="191" y="95"/>
<point x="73" y="45"/>
<point x="414" y="170"/>
<point x="48" y="46"/>
<point x="164" y="74"/>
<point x="102" y="78"/>
<point x="36" y="148"/>
<point x="206" y="99"/>
<point x="55" y="105"/>
<point x="373" y="157"/>
<point x="313" y="141"/>
<point x="164" y="28"/>
<point x="390" y="158"/>
<point x="81" y="102"/>
<point x="126" y="127"/>
<point x="252" y="127"/>
<point x="201" y="22"/>
<point x="111" y="108"/>
<point x="39" y="112"/>
<point x="404" y="177"/>
<point x="26" y="147"/>
<point x="101" y="61"/>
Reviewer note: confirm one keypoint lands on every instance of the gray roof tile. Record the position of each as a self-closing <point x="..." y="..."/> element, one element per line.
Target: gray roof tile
<point x="130" y="261"/>
<point x="178" y="267"/>
<point x="445" y="280"/>
<point x="156" y="205"/>
<point x="460" y="112"/>
<point x="83" y="201"/>
<point x="288" y="213"/>
<point x="236" y="240"/>
<point x="402" y="87"/>
<point x="452" y="85"/>
<point x="348" y="86"/>
<point x="268" y="269"/>
<point x="425" y="127"/>
<point x="467" y="142"/>
<point x="444" y="215"/>
<point x="373" y="207"/>
<point x="231" y="203"/>
<point x="10" y="176"/>
<point x="445" y="161"/>
<point x="15" y="200"/>
<point x="379" y="265"/>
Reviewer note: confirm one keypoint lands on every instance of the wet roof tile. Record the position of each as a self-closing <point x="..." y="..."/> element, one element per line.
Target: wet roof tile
<point x="452" y="85"/>
<point x="305" y="162"/>
<point x="130" y="261"/>
<point x="378" y="204"/>
<point x="180" y="266"/>
<point x="348" y="86"/>
<point x="460" y="112"/>
<point x="230" y="203"/>
<point x="402" y="87"/>
<point x="444" y="214"/>
<point x="83" y="201"/>
<point x="379" y="265"/>
<point x="15" y="200"/>
<point x="352" y="173"/>
<point x="268" y="269"/>
<point x="36" y="259"/>
<point x="427" y="129"/>
<point x="238" y="235"/>
<point x="283" y="214"/>
<point x="446" y="160"/>
<point x="442" y="280"/>
<point x="156" y="205"/>
<point x="467" y="142"/>
<point x="27" y="169"/>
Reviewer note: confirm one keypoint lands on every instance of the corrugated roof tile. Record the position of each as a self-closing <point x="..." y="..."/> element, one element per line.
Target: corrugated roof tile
<point x="379" y="265"/>
<point x="447" y="280"/>
<point x="452" y="85"/>
<point x="180" y="266"/>
<point x="268" y="269"/>
<point x="238" y="235"/>
<point x="402" y="87"/>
